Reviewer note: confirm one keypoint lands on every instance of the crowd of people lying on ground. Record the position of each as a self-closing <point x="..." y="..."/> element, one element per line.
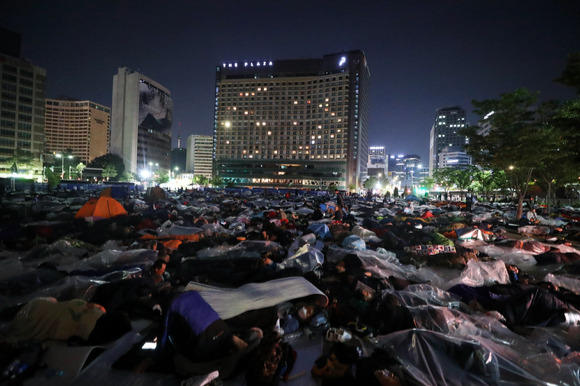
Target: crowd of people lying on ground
<point x="367" y="258"/>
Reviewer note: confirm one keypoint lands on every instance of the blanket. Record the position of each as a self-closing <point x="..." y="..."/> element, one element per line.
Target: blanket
<point x="46" y="318"/>
<point x="231" y="302"/>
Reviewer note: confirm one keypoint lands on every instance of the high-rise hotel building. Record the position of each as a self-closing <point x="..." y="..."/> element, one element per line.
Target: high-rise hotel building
<point x="78" y="126"/>
<point x="141" y="122"/>
<point x="299" y="123"/>
<point x="22" y="93"/>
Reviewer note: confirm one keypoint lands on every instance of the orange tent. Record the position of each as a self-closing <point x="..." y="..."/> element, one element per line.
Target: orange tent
<point x="100" y="208"/>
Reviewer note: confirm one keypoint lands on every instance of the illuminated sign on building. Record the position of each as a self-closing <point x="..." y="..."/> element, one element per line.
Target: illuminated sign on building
<point x="264" y="63"/>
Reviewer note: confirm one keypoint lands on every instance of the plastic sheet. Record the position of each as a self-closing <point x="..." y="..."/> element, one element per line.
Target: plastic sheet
<point x="170" y="229"/>
<point x="363" y="233"/>
<point x="425" y="294"/>
<point x="534" y="230"/>
<point x="113" y="258"/>
<point x="354" y="242"/>
<point x="299" y="242"/>
<point x="432" y="358"/>
<point x="570" y="283"/>
<point x="244" y="249"/>
<point x="213" y="229"/>
<point x="70" y="287"/>
<point x="306" y="258"/>
<point x="320" y="230"/>
<point x="481" y="273"/>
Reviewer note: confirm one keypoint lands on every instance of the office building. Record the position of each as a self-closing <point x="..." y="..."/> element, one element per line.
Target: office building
<point x="178" y="160"/>
<point x="80" y="128"/>
<point x="300" y="123"/>
<point x="453" y="157"/>
<point x="445" y="133"/>
<point x="141" y="122"/>
<point x="407" y="170"/>
<point x="200" y="155"/>
<point x="377" y="163"/>
<point x="22" y="93"/>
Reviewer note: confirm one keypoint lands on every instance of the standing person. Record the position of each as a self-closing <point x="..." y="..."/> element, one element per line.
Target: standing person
<point x="338" y="214"/>
<point x="339" y="200"/>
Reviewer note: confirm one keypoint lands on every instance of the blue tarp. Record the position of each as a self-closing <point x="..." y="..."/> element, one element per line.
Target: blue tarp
<point x="320" y="230"/>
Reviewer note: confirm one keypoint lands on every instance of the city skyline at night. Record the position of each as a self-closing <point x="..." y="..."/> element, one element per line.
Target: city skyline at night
<point x="423" y="55"/>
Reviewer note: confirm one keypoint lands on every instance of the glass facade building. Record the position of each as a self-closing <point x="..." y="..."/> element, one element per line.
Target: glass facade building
<point x="445" y="134"/>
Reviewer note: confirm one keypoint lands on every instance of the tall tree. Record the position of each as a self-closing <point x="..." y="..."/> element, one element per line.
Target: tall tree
<point x="507" y="143"/>
<point x="162" y="177"/>
<point x="109" y="159"/>
<point x="444" y="178"/>
<point x="571" y="74"/>
<point x="200" y="179"/>
<point x="109" y="171"/>
<point x="80" y="168"/>
<point x="558" y="152"/>
<point x="463" y="178"/>
<point x="370" y="183"/>
<point x="487" y="181"/>
<point x="217" y="181"/>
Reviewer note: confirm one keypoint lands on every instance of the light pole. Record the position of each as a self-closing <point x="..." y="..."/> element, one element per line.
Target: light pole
<point x="61" y="156"/>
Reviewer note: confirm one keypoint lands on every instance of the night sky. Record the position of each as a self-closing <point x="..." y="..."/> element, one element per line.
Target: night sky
<point x="422" y="55"/>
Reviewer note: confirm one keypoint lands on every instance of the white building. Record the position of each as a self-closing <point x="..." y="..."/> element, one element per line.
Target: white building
<point x="141" y="122"/>
<point x="452" y="157"/>
<point x="200" y="155"/>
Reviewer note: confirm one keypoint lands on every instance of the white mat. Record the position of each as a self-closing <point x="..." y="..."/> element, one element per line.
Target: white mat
<point x="231" y="302"/>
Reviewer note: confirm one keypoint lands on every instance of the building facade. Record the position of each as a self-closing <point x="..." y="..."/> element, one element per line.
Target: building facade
<point x="141" y="120"/>
<point x="377" y="163"/>
<point x="454" y="157"/>
<point x="293" y="123"/>
<point x="178" y="160"/>
<point x="200" y="155"/>
<point x="22" y="94"/>
<point x="80" y="128"/>
<point x="405" y="170"/>
<point x="445" y="134"/>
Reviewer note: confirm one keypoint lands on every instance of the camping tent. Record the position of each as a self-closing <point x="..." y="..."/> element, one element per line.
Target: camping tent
<point x="412" y="197"/>
<point x="100" y="208"/>
<point x="155" y="194"/>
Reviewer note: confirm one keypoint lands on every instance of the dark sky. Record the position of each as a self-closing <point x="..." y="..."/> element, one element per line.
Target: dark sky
<point x="422" y="54"/>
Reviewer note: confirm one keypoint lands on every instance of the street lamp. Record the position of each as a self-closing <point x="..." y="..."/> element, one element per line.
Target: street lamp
<point x="61" y="156"/>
